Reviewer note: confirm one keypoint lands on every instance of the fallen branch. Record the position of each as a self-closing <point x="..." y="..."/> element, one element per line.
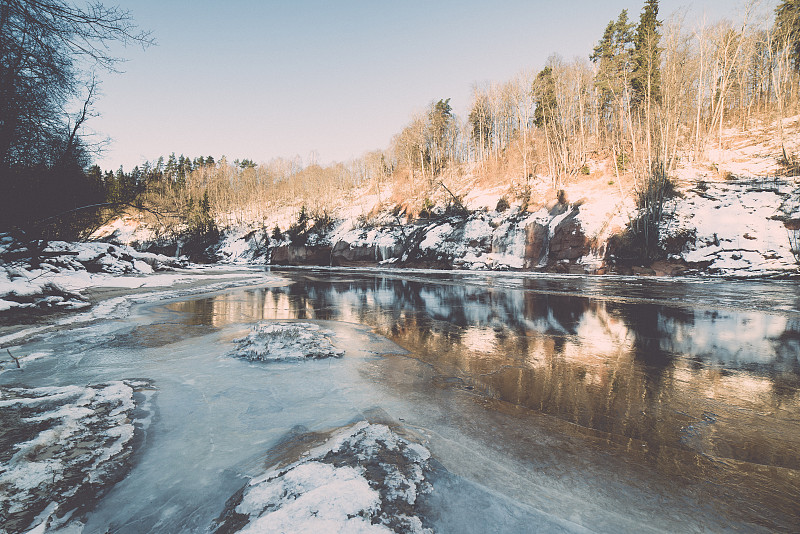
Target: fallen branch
<point x="16" y="360"/>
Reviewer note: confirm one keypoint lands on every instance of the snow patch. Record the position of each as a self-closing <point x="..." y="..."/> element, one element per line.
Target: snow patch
<point x="365" y="478"/>
<point x="286" y="341"/>
<point x="66" y="446"/>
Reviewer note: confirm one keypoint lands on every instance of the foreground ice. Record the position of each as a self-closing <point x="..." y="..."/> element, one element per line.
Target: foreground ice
<point x="364" y="479"/>
<point x="286" y="341"/>
<point x="62" y="447"/>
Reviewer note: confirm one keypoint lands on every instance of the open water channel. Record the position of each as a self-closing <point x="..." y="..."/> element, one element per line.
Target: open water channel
<point x="550" y="404"/>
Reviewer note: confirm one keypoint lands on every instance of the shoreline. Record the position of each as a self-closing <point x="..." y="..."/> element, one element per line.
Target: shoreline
<point x="102" y="299"/>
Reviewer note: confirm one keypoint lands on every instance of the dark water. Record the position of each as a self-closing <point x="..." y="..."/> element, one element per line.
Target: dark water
<point x="695" y="381"/>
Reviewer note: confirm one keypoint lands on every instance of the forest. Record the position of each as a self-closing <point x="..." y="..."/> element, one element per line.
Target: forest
<point x="654" y="90"/>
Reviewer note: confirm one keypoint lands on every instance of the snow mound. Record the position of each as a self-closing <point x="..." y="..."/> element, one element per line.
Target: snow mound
<point x="286" y="341"/>
<point x="20" y="291"/>
<point x="49" y="283"/>
<point x="364" y="479"/>
<point x="63" y="447"/>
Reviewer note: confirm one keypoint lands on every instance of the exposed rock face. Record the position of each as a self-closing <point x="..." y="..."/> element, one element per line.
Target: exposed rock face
<point x="346" y="254"/>
<point x="568" y="241"/>
<point x="301" y="255"/>
<point x="792" y="224"/>
<point x="536" y="237"/>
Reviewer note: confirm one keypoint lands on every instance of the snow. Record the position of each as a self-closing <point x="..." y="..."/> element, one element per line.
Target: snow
<point x="347" y="484"/>
<point x="124" y="230"/>
<point x="734" y="227"/>
<point x="435" y="236"/>
<point x="67" y="444"/>
<point x="286" y="341"/>
<point x="313" y="497"/>
<point x="55" y="282"/>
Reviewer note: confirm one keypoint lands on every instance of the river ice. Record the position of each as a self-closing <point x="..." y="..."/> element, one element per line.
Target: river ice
<point x="535" y="396"/>
<point x="63" y="447"/>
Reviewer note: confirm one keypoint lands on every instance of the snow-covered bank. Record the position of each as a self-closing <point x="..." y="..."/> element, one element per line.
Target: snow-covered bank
<point x="364" y="479"/>
<point x="734" y="227"/>
<point x="737" y="226"/>
<point x="63" y="447"/>
<point x="52" y="278"/>
<point x="105" y="296"/>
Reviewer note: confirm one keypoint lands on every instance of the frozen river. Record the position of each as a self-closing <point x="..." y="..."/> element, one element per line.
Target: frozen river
<point x="551" y="404"/>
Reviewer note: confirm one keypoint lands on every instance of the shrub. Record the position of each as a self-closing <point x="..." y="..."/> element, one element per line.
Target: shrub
<point x="502" y="204"/>
<point x="644" y="229"/>
<point x="789" y="164"/>
<point x="427" y="209"/>
<point x="622" y="161"/>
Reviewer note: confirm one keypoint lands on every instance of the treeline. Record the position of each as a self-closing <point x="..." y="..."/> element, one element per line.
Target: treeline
<point x="49" y="51"/>
<point x="652" y="91"/>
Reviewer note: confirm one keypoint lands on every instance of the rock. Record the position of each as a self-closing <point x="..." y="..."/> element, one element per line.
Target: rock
<point x="642" y="271"/>
<point x="346" y="254"/>
<point x="568" y="241"/>
<point x="535" y="244"/>
<point x="667" y="268"/>
<point x="792" y="224"/>
<point x="301" y="255"/>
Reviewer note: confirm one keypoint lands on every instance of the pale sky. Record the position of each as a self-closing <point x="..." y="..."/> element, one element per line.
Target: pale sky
<point x="262" y="79"/>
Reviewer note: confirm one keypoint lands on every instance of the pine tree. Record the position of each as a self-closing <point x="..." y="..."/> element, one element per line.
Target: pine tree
<point x="646" y="81"/>
<point x="544" y="91"/>
<point x="171" y="170"/>
<point x="787" y="22"/>
<point x="613" y="57"/>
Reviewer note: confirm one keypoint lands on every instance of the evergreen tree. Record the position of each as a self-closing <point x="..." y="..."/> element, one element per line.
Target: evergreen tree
<point x="440" y="119"/>
<point x="787" y="23"/>
<point x="544" y="92"/>
<point x="646" y="81"/>
<point x="171" y="169"/>
<point x="613" y="57"/>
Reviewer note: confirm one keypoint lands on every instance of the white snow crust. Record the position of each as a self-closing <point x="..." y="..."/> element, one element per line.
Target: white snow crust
<point x="736" y="226"/>
<point x="65" y="441"/>
<point x="348" y="484"/>
<point x="56" y="281"/>
<point x="286" y="341"/>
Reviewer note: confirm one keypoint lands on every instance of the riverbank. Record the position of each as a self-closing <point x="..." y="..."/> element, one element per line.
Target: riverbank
<point x="109" y="296"/>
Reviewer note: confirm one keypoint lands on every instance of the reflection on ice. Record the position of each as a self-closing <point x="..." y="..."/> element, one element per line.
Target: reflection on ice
<point x="667" y="380"/>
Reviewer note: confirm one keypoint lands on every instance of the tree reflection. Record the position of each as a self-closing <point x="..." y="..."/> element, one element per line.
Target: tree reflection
<point x="631" y="369"/>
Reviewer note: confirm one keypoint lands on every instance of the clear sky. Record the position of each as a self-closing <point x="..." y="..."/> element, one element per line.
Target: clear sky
<point x="261" y="79"/>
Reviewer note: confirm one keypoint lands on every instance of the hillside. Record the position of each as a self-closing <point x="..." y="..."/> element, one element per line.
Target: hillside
<point x="730" y="216"/>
